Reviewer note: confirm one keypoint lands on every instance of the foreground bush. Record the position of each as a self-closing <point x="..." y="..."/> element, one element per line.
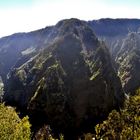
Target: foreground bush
<point x="11" y="126"/>
<point x="44" y="133"/>
<point x="123" y="125"/>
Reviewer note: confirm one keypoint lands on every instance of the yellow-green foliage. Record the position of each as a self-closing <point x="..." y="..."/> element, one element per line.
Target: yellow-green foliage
<point x="45" y="134"/>
<point x="123" y="125"/>
<point x="61" y="137"/>
<point x="41" y="60"/>
<point x="22" y="75"/>
<point x="53" y="66"/>
<point x="94" y="75"/>
<point x="89" y="136"/>
<point x="11" y="126"/>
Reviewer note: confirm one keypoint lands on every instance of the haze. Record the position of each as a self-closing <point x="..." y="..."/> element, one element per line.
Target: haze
<point x="28" y="15"/>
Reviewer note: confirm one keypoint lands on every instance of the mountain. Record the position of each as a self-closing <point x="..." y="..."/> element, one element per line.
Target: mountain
<point x="19" y="48"/>
<point x="114" y="27"/>
<point x="68" y="75"/>
<point x="123" y="41"/>
<point x="70" y="83"/>
<point x="113" y="31"/>
<point x="128" y="62"/>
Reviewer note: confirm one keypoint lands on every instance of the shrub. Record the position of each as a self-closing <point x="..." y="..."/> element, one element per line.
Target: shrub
<point x="11" y="126"/>
<point x="123" y="125"/>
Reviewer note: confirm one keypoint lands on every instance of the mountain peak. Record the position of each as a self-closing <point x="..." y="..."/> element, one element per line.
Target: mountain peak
<point x="71" y="25"/>
<point x="70" y="22"/>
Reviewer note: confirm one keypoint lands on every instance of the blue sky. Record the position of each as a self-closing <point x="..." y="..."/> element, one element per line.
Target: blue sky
<point x="27" y="15"/>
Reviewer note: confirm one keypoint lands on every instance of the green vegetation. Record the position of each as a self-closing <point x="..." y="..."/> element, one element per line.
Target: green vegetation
<point x="123" y="125"/>
<point x="54" y="66"/>
<point x="22" y="75"/>
<point x="11" y="126"/>
<point x="44" y="133"/>
<point x="94" y="75"/>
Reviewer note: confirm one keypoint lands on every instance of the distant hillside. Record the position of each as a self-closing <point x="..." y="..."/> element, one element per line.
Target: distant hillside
<point x="113" y="31"/>
<point x="114" y="27"/>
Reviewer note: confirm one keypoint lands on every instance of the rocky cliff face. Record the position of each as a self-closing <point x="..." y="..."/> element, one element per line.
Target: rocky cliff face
<point x="128" y="60"/>
<point x="123" y="41"/>
<point x="71" y="81"/>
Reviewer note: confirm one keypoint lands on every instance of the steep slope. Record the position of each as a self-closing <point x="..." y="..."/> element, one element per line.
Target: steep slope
<point x="19" y="48"/>
<point x="70" y="84"/>
<point x="128" y="60"/>
<point x="123" y="41"/>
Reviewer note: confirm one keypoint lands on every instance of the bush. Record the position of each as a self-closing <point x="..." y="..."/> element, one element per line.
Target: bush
<point x="11" y="126"/>
<point x="123" y="125"/>
<point x="44" y="133"/>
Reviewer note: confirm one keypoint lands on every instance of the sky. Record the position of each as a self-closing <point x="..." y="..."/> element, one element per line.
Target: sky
<point x="29" y="15"/>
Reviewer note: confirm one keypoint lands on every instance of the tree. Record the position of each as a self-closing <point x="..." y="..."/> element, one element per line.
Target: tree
<point x="11" y="126"/>
<point x="123" y="125"/>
